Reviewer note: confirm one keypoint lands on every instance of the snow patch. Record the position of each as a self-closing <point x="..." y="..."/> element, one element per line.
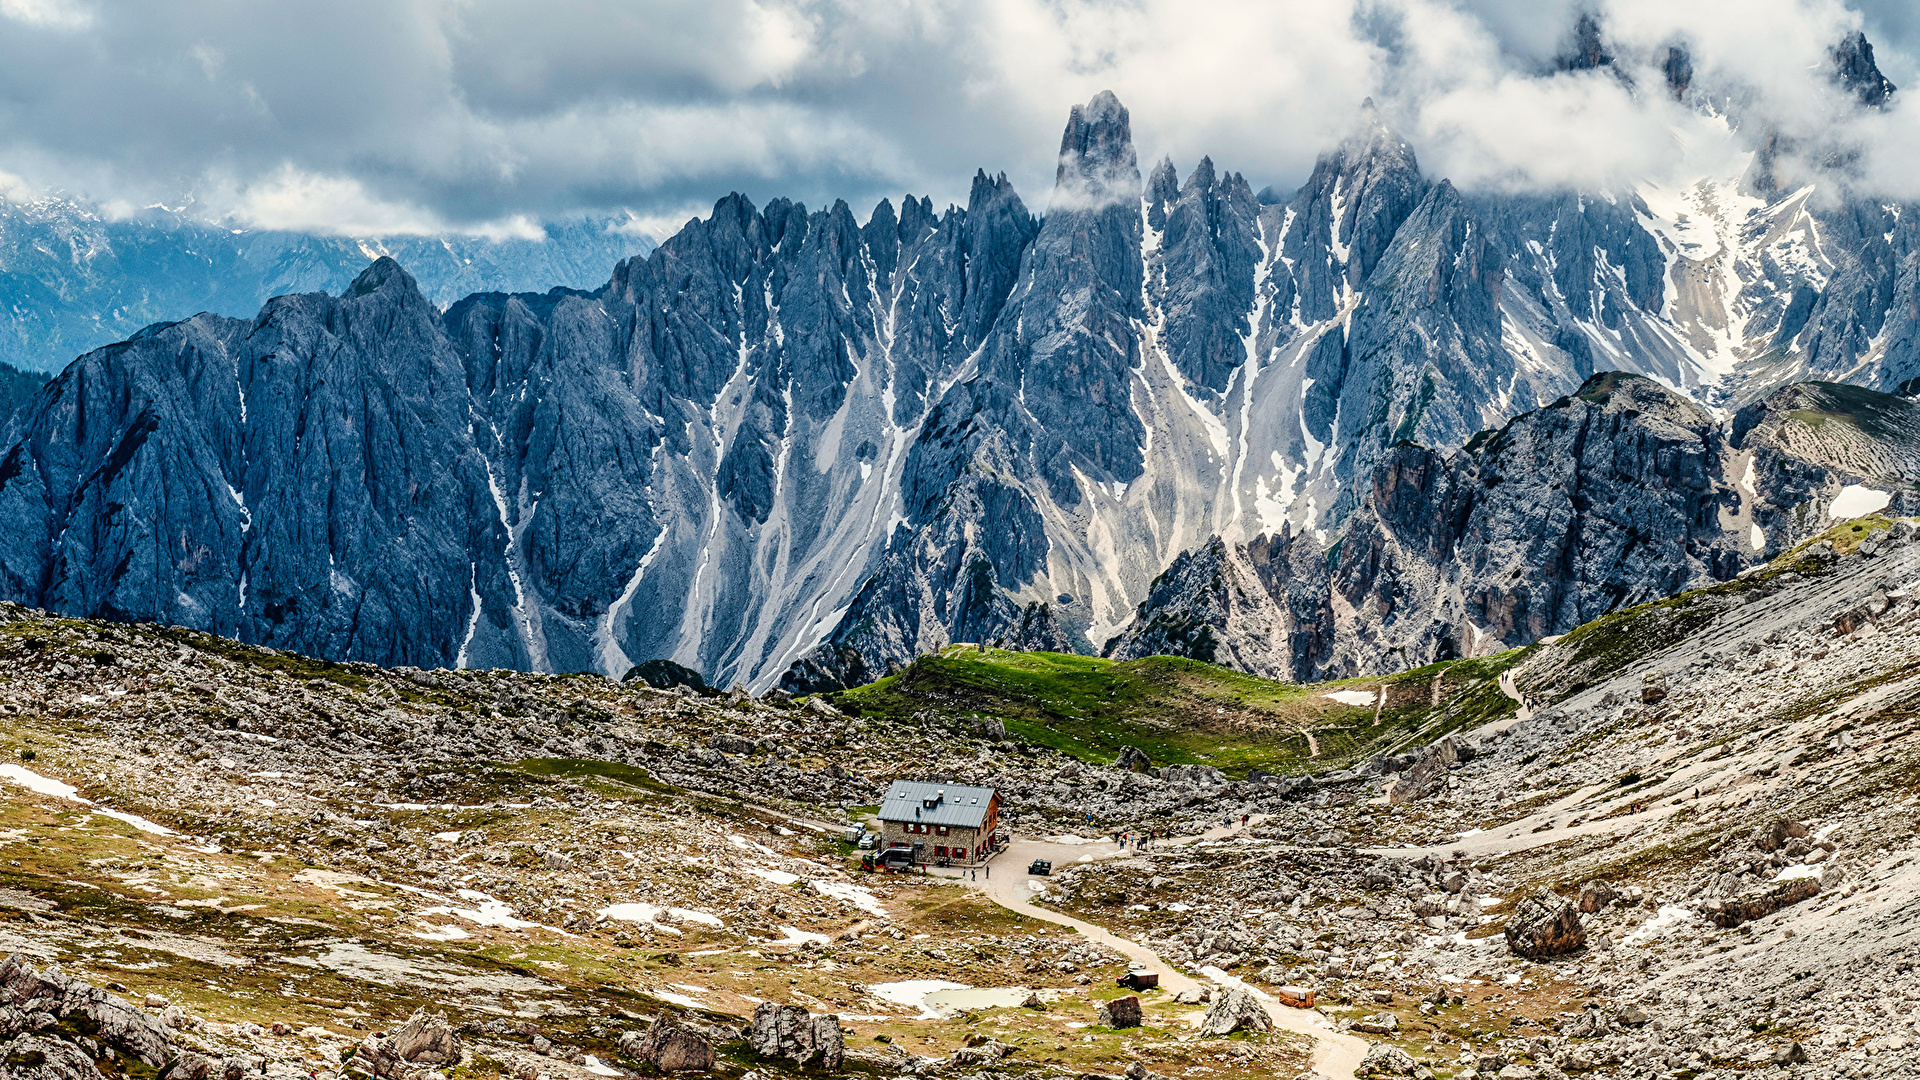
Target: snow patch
<point x="1352" y="697"/>
<point x="913" y="993"/>
<point x="46" y="785"/>
<point x="857" y="895"/>
<point x="1670" y="917"/>
<point x="1856" y="500"/>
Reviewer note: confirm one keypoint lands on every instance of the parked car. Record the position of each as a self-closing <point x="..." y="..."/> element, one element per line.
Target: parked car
<point x="1041" y="867"/>
<point x="896" y="860"/>
<point x="869" y="841"/>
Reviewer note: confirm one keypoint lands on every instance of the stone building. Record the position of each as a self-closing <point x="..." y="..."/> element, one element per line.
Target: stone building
<point x="950" y="822"/>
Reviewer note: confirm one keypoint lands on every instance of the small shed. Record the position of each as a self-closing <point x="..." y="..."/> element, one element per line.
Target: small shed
<point x="1139" y="980"/>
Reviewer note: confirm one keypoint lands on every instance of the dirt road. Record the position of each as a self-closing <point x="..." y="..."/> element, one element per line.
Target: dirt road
<point x="1336" y="1054"/>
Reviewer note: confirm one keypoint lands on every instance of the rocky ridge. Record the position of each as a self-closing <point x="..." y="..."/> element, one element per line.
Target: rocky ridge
<point x="1619" y="493"/>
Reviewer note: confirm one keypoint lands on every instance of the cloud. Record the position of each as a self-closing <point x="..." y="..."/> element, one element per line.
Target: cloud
<point x="406" y="115"/>
<point x="50" y="14"/>
<point x="293" y="200"/>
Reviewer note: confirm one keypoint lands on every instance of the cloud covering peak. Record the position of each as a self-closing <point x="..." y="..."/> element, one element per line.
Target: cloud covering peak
<point x="483" y="115"/>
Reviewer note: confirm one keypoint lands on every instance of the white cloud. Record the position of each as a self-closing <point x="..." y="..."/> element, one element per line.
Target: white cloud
<point x="51" y="14"/>
<point x="294" y="200"/>
<point x="388" y="116"/>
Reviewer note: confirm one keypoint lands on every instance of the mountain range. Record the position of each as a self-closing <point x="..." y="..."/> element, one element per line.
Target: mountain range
<point x="789" y="447"/>
<point x="75" y="275"/>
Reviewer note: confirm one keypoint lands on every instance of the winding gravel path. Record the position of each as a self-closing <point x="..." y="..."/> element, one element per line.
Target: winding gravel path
<point x="1336" y="1054"/>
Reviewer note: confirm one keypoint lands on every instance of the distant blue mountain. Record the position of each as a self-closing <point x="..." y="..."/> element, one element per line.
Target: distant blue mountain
<point x="72" y="279"/>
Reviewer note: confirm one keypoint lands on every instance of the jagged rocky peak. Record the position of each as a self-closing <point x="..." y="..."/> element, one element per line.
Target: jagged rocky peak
<point x="1203" y="277"/>
<point x="383" y="272"/>
<point x="1097" y="160"/>
<point x="1648" y="402"/>
<point x="1587" y="51"/>
<point x="1677" y="66"/>
<point x="1856" y="72"/>
<point x="1348" y="210"/>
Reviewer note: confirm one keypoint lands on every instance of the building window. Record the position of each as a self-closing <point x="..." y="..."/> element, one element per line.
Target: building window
<point x="943" y="830"/>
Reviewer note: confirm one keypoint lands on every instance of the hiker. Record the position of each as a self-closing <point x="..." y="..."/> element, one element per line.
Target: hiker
<point x="1244" y="819"/>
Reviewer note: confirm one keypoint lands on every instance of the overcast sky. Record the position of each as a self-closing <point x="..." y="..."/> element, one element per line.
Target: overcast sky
<point x="383" y="116"/>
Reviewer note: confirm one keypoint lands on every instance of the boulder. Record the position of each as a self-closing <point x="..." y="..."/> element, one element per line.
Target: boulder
<point x="1120" y="1012"/>
<point x="1428" y="774"/>
<point x="792" y="1033"/>
<point x="733" y="744"/>
<point x="1235" y="1009"/>
<point x="1545" y="925"/>
<point x="1378" y="1024"/>
<point x="1133" y="759"/>
<point x="1653" y="686"/>
<point x="1757" y="903"/>
<point x="981" y="1051"/>
<point x="1779" y="834"/>
<point x="670" y="1046"/>
<point x="1388" y="1060"/>
<point x="1596" y="895"/>
<point x="426" y="1039"/>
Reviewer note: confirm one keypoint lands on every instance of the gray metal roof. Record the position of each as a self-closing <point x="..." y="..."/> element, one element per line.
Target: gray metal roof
<point x="958" y="804"/>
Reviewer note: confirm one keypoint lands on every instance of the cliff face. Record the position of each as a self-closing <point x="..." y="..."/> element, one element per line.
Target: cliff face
<point x="1621" y="493"/>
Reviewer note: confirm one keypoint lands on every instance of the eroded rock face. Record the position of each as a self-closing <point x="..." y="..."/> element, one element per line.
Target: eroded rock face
<point x="796" y="1035"/>
<point x="32" y="1001"/>
<point x="1545" y="925"/>
<point x="121" y="1025"/>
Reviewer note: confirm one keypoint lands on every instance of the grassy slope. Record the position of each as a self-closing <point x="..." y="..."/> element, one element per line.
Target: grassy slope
<point x="1181" y="711"/>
